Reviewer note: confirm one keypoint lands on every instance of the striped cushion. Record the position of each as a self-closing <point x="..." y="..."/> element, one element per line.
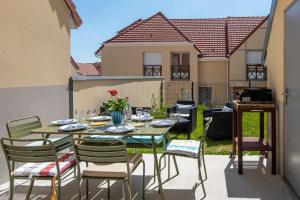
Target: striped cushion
<point x="46" y="168"/>
<point x="144" y="139"/>
<point x="185" y="147"/>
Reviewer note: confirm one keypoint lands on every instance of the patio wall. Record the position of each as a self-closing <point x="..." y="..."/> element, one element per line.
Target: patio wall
<point x="35" y="62"/>
<point x="90" y="92"/>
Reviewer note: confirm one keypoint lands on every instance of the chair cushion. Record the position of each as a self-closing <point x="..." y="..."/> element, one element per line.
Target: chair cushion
<point x="104" y="137"/>
<point x="183" y="109"/>
<point x="226" y="109"/>
<point x="184" y="147"/>
<point x="113" y="170"/>
<point x="144" y="139"/>
<point x="56" y="141"/>
<point x="46" y="168"/>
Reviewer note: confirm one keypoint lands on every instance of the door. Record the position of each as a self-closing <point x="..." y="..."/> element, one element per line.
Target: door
<point x="292" y="109"/>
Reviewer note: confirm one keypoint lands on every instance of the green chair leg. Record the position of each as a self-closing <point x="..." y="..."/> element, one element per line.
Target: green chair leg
<point x="108" y="189"/>
<point x="11" y="189"/>
<point x="176" y="166"/>
<point x="204" y="165"/>
<point x="200" y="178"/>
<point x="58" y="190"/>
<point x="143" y="162"/>
<point x="87" y="189"/>
<point x="29" y="189"/>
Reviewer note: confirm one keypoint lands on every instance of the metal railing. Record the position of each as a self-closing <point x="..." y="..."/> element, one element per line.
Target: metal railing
<point x="256" y="72"/>
<point x="180" y="72"/>
<point x="152" y="70"/>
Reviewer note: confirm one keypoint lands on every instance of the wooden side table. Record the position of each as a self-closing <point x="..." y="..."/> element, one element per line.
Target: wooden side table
<point x="253" y="143"/>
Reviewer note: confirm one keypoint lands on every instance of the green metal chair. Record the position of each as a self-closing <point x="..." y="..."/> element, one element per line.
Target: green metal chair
<point x="190" y="149"/>
<point x="40" y="163"/>
<point x="107" y="159"/>
<point x="20" y="128"/>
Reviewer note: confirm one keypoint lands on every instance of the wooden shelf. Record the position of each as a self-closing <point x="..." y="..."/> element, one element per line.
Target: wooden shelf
<point x="254" y="144"/>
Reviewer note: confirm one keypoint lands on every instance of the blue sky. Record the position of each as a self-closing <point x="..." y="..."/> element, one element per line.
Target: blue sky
<point x="103" y="18"/>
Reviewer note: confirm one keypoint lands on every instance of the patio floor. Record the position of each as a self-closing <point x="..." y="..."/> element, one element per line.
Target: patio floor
<point x="223" y="182"/>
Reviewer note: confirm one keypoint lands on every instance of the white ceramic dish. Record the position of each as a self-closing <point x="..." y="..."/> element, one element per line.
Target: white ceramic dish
<point x="73" y="127"/>
<point x="120" y="129"/>
<point x="142" y="118"/>
<point x="162" y="123"/>
<point x="100" y="118"/>
<point x="61" y="122"/>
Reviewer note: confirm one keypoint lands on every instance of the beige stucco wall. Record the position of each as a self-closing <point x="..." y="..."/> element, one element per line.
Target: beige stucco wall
<point x="212" y="71"/>
<point x="238" y="58"/>
<point x="127" y="60"/>
<point x="90" y="94"/>
<point x="275" y="63"/>
<point x="35" y="43"/>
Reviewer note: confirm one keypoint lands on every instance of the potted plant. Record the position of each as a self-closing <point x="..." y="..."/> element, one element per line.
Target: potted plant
<point x="116" y="105"/>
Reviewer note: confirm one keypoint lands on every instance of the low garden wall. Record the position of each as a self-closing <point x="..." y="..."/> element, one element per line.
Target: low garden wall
<point x="89" y="92"/>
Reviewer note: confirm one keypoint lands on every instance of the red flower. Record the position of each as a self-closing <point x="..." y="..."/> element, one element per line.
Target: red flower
<point x="127" y="98"/>
<point x="113" y="92"/>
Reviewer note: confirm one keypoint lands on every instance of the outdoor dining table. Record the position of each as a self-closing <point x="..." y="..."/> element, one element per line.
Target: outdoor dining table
<point x="146" y="130"/>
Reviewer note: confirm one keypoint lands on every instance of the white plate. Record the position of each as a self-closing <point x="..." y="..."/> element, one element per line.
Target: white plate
<point x="162" y="123"/>
<point x="61" y="122"/>
<point x="142" y="118"/>
<point x="100" y="118"/>
<point x="73" y="127"/>
<point x="120" y="129"/>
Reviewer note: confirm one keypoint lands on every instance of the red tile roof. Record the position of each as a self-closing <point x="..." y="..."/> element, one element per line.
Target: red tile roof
<point x="212" y="37"/>
<point x="74" y="13"/>
<point x="89" y="69"/>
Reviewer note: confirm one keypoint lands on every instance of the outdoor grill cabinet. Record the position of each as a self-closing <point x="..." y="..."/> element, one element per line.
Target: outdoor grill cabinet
<point x="188" y="121"/>
<point x="221" y="125"/>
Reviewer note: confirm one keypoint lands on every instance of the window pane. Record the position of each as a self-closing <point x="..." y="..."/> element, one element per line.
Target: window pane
<point x="254" y="57"/>
<point x="185" y="59"/>
<point x="175" y="59"/>
<point x="152" y="59"/>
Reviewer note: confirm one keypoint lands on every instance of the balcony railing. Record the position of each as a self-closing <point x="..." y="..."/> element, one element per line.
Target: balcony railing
<point x="256" y="72"/>
<point x="152" y="70"/>
<point x="180" y="72"/>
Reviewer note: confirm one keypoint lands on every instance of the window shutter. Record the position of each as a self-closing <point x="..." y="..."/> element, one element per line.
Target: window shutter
<point x="254" y="57"/>
<point x="152" y="59"/>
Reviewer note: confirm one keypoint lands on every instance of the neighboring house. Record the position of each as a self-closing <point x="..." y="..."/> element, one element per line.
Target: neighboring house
<point x="89" y="69"/>
<point x="211" y="58"/>
<point x="35" y="64"/>
<point x="282" y="58"/>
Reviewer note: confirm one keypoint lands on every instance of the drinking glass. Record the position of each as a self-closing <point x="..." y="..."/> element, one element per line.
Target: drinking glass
<point x="146" y="112"/>
<point x="139" y="112"/>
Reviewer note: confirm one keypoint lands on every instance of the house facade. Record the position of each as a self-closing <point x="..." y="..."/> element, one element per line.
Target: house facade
<point x="210" y="60"/>
<point x="35" y="61"/>
<point x="281" y="52"/>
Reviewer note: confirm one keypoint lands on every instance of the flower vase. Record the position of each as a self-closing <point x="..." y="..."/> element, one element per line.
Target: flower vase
<point x="117" y="117"/>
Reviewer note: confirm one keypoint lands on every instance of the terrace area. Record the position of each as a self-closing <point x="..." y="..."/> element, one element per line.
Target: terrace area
<point x="223" y="183"/>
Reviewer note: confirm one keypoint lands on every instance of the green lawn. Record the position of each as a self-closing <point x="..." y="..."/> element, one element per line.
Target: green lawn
<point x="250" y="128"/>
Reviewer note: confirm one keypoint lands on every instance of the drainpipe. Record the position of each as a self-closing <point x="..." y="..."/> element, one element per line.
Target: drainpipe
<point x="70" y="97"/>
<point x="228" y="79"/>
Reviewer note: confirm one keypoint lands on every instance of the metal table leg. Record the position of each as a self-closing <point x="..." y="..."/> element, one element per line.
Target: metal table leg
<point x="157" y="168"/>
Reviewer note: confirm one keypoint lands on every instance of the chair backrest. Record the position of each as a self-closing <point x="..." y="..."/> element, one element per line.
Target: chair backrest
<point x="15" y="150"/>
<point x="186" y="102"/>
<point x="101" y="151"/>
<point x="205" y="129"/>
<point x="21" y="127"/>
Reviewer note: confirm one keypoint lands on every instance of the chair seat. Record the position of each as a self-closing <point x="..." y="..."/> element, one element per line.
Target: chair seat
<point x="113" y="170"/>
<point x="104" y="137"/>
<point x="144" y="139"/>
<point x="46" y="168"/>
<point x="56" y="141"/>
<point x="188" y="148"/>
